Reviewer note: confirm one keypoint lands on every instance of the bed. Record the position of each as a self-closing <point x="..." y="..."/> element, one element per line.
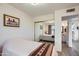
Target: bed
<point x="21" y="47"/>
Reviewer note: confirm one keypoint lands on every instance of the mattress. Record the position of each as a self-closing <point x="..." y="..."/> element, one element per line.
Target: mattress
<point x="19" y="47"/>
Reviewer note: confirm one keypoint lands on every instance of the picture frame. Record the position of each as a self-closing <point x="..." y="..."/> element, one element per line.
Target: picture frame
<point x="11" y="21"/>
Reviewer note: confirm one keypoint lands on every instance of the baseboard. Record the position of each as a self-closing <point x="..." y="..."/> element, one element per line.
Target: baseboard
<point x="47" y="41"/>
<point x="50" y="41"/>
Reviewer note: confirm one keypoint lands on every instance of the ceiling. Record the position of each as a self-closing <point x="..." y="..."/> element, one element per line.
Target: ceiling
<point x="41" y="8"/>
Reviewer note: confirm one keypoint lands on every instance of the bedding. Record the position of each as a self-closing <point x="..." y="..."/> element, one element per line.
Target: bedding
<point x="20" y="47"/>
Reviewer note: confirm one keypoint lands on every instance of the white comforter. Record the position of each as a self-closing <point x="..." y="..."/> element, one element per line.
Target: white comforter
<point x="19" y="47"/>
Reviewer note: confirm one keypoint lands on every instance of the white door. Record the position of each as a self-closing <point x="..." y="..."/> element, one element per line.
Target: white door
<point x="38" y="31"/>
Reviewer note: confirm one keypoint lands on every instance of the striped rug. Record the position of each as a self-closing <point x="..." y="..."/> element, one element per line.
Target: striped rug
<point x="43" y="50"/>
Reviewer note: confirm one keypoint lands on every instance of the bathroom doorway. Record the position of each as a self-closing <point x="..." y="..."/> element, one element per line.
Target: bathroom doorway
<point x="70" y="34"/>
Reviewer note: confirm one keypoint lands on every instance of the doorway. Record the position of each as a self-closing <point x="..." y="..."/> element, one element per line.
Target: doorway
<point x="70" y="35"/>
<point x="44" y="31"/>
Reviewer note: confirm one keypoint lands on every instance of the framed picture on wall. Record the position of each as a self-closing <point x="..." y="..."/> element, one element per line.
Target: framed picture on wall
<point x="11" y="21"/>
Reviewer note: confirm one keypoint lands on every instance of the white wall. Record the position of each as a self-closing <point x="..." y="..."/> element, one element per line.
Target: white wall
<point x="44" y="17"/>
<point x="58" y="17"/>
<point x="58" y="30"/>
<point x="70" y="33"/>
<point x="26" y="29"/>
